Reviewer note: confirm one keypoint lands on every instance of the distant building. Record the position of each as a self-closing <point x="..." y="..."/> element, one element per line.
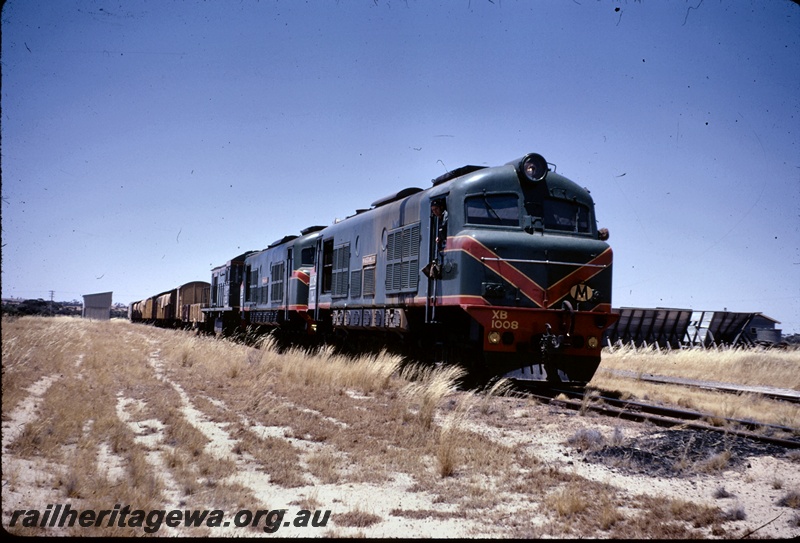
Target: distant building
<point x="97" y="306"/>
<point x="762" y="329"/>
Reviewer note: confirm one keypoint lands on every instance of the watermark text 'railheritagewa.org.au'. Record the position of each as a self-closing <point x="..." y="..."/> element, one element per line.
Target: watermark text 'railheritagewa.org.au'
<point x="61" y="516"/>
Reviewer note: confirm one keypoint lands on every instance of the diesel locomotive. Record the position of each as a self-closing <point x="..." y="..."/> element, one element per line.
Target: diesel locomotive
<point x="500" y="269"/>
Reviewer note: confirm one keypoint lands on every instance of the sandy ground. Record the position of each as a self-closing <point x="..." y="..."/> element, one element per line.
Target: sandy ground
<point x="753" y="487"/>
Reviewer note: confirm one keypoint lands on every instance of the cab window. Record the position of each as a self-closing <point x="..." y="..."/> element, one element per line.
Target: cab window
<point x="307" y="256"/>
<point x="565" y="216"/>
<point x="492" y="209"/>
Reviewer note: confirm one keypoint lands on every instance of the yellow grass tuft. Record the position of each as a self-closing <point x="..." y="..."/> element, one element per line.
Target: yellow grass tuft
<point x="428" y="386"/>
<point x="453" y="437"/>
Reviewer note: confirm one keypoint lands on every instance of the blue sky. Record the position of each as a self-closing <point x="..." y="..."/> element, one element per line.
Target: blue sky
<point x="145" y="142"/>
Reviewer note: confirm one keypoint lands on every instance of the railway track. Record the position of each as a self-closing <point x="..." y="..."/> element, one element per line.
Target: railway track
<point x="782" y="394"/>
<point x="660" y="415"/>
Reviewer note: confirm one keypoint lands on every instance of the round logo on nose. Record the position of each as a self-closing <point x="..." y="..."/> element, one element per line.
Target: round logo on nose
<point x="582" y="292"/>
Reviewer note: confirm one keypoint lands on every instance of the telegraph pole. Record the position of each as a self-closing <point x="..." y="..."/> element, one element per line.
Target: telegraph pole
<point x="52" y="292"/>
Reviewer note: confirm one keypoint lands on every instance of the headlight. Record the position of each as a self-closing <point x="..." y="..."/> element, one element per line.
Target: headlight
<point x="592" y="343"/>
<point x="494" y="337"/>
<point x="533" y="167"/>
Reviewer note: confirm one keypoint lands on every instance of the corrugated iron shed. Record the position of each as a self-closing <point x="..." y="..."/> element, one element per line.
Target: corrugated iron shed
<point x="97" y="306"/>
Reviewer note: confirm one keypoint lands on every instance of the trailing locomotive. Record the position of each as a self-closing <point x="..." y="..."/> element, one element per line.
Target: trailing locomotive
<point x="500" y="269"/>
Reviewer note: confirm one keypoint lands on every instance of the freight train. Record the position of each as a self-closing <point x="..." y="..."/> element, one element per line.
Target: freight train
<point x="500" y="269"/>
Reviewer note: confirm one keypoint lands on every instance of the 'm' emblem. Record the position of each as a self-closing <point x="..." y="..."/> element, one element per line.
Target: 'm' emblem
<point x="582" y="292"/>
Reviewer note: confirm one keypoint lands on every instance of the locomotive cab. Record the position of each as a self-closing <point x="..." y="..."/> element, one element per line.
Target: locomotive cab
<point x="523" y="258"/>
<point x="222" y="313"/>
<point x="277" y="283"/>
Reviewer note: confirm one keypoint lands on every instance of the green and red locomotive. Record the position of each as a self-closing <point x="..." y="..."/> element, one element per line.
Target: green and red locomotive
<point x="501" y="269"/>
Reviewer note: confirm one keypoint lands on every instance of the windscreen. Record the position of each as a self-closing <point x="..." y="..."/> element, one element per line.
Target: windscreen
<point x="493" y="209"/>
<point x="561" y="215"/>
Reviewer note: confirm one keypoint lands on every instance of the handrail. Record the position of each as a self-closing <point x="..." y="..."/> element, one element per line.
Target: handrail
<point x="557" y="262"/>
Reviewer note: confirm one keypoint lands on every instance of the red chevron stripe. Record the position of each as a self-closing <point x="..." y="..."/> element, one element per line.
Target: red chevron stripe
<point x="561" y="287"/>
<point x="516" y="278"/>
<point x="477" y="250"/>
<point x="301" y="276"/>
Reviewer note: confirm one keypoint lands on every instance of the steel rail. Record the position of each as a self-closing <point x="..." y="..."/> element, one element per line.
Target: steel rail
<point x="665" y="416"/>
<point x="786" y="395"/>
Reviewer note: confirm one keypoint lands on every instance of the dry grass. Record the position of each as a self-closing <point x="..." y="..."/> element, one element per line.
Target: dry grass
<point x="774" y="368"/>
<point x="357" y="518"/>
<point x="758" y="367"/>
<point x="453" y="437"/>
<point x="109" y="412"/>
<point x="427" y="387"/>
